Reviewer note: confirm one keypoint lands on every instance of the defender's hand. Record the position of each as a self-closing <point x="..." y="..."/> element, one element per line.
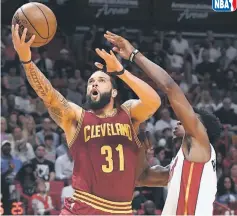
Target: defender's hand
<point x="112" y="63"/>
<point x="22" y="47"/>
<point x="122" y="46"/>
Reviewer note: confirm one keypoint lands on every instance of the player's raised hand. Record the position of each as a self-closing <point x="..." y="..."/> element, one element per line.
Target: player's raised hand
<point x="21" y="46"/>
<point x="112" y="63"/>
<point x="122" y="46"/>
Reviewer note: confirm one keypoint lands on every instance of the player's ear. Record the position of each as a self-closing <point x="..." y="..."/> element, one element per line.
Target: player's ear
<point x="114" y="93"/>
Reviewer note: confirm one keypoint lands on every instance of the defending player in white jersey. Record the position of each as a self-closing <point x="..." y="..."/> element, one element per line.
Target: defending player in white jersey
<point x="192" y="177"/>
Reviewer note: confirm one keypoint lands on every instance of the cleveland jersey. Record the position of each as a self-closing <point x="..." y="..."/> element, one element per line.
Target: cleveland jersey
<point x="192" y="186"/>
<point x="105" y="153"/>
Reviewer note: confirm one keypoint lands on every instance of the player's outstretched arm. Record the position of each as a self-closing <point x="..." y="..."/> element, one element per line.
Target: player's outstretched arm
<point x="178" y="101"/>
<point x="156" y="176"/>
<point x="59" y="108"/>
<point x="149" y="101"/>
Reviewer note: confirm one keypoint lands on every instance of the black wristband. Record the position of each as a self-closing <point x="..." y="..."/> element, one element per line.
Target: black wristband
<point x="27" y="62"/>
<point x="133" y="54"/>
<point x="117" y="73"/>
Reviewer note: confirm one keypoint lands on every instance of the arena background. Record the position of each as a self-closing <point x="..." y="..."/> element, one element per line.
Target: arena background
<point x="203" y="62"/>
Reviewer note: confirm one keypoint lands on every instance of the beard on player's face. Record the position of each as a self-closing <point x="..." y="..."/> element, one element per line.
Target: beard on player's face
<point x="98" y="104"/>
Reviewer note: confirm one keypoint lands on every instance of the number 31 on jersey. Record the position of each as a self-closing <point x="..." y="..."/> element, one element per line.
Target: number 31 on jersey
<point x="108" y="152"/>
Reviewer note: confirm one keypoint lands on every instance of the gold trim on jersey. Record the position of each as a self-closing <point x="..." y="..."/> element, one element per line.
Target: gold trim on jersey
<point x="106" y="115"/>
<point x="79" y="123"/>
<point x="134" y="131"/>
<point x="188" y="189"/>
<point x="103" y="204"/>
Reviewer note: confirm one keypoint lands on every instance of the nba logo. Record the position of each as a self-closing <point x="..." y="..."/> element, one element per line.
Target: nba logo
<point x="224" y="5"/>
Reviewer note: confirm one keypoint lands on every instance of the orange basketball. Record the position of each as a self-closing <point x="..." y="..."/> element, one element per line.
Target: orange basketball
<point x="39" y="20"/>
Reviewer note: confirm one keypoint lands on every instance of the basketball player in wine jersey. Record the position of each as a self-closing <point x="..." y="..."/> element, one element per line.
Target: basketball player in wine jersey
<point x="102" y="140"/>
<point x="192" y="177"/>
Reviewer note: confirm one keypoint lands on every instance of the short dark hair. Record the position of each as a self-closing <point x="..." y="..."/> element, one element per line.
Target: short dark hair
<point x="41" y="145"/>
<point x="211" y="123"/>
<point x="48" y="137"/>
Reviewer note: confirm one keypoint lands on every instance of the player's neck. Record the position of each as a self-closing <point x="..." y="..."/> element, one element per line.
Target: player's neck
<point x="107" y="111"/>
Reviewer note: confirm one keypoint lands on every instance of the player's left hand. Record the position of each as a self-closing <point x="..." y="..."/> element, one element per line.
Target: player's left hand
<point x="21" y="46"/>
<point x="112" y="63"/>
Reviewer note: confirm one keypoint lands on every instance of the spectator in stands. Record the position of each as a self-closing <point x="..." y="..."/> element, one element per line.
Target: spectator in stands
<point x="64" y="64"/>
<point x="179" y="44"/>
<point x="47" y="129"/>
<point x="43" y="168"/>
<point x="62" y="148"/>
<point x="4" y="134"/>
<point x="50" y="149"/>
<point x="67" y="191"/>
<point x="4" y="106"/>
<point x="160" y="155"/>
<point x="157" y="54"/>
<point x="214" y="53"/>
<point x="151" y="159"/>
<point x="174" y="61"/>
<point x="165" y="122"/>
<point x="149" y="208"/>
<point x="228" y="100"/>
<point x="196" y="54"/>
<point x="233" y="173"/>
<point x="81" y="84"/>
<point x="22" y="149"/>
<point x="226" y="114"/>
<point x="23" y="101"/>
<point x="206" y="68"/>
<point x="219" y="164"/>
<point x="10" y="165"/>
<point x="27" y="179"/>
<point x="230" y="82"/>
<point x="226" y="190"/>
<point x="40" y="111"/>
<point x="64" y="166"/>
<point x="138" y="200"/>
<point x="41" y="203"/>
<point x="12" y="81"/>
<point x="231" y="52"/>
<point x="13" y="121"/>
<point x="29" y="131"/>
<point x="44" y="63"/>
<point x="206" y="102"/>
<point x="231" y="157"/>
<point x="72" y="92"/>
<point x="11" y="102"/>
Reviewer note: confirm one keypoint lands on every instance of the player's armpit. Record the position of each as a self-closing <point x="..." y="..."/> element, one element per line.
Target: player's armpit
<point x="156" y="176"/>
<point x="139" y="111"/>
<point x="60" y="110"/>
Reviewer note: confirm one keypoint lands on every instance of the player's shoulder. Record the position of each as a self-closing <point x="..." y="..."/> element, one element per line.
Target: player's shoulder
<point x="130" y="103"/>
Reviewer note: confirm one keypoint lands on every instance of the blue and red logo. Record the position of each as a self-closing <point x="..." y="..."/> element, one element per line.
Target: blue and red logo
<point x="224" y="5"/>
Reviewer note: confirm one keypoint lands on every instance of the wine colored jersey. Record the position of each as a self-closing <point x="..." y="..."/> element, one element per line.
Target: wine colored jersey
<point x="105" y="153"/>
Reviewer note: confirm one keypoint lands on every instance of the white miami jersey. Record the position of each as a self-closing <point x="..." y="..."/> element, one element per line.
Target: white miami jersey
<point x="192" y="186"/>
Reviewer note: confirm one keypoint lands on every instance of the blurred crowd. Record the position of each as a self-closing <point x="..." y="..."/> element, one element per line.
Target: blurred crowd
<point x="36" y="166"/>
